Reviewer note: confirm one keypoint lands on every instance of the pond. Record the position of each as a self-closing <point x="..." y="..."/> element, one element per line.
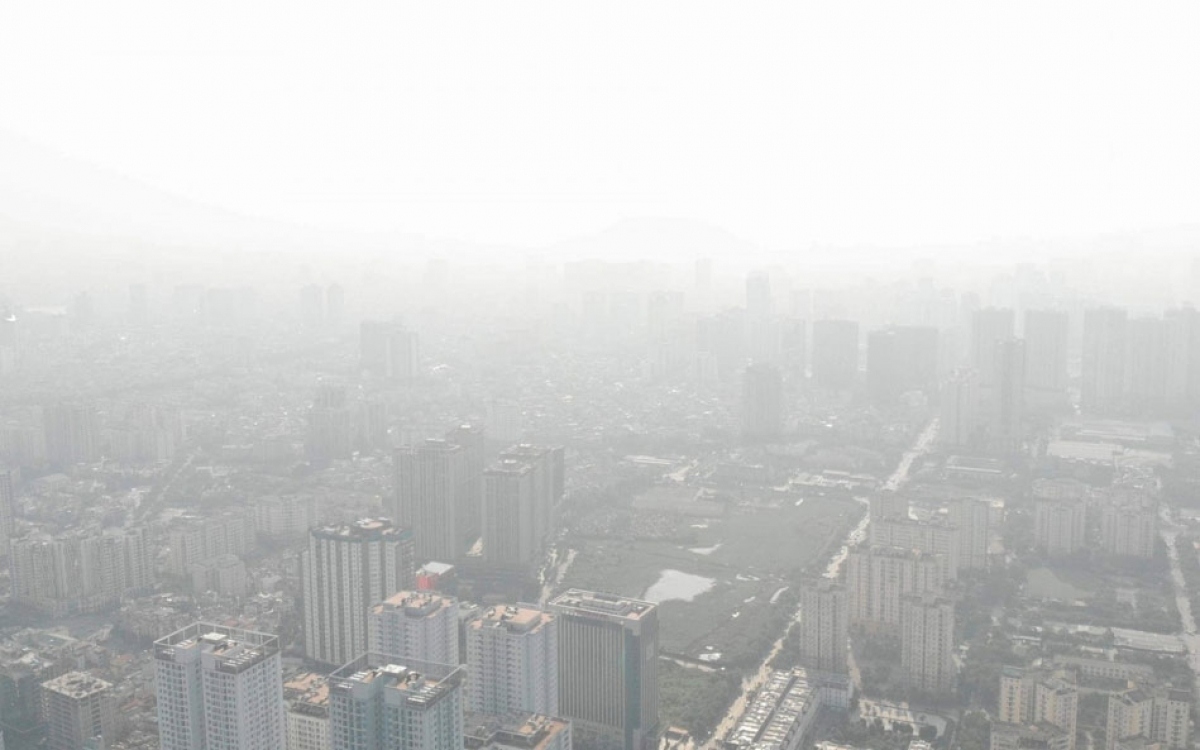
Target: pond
<point x="677" y="585"/>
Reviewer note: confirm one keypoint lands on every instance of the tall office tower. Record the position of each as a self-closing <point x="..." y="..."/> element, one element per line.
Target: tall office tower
<point x="793" y="347"/>
<point x="1006" y="415"/>
<point x="824" y="638"/>
<point x="959" y="409"/>
<point x="345" y="570"/>
<point x="971" y="517"/>
<point x="307" y="720"/>
<point x="1060" y="525"/>
<point x="608" y="668"/>
<point x="835" y="354"/>
<point x="78" y="708"/>
<point x="330" y="435"/>
<point x="927" y="642"/>
<point x="932" y="537"/>
<point x="388" y="350"/>
<point x="335" y="305"/>
<point x="1182" y="334"/>
<point x="901" y="359"/>
<point x="762" y="402"/>
<point x="8" y="507"/>
<point x="885" y="378"/>
<point x="8" y="341"/>
<point x="139" y="305"/>
<point x="415" y="625"/>
<point x="72" y="433"/>
<point x="376" y="704"/>
<point x="721" y="345"/>
<point x="1146" y="376"/>
<point x="312" y="306"/>
<point x="432" y="494"/>
<point x="219" y="689"/>
<point x="758" y="295"/>
<point x="512" y="657"/>
<point x="1046" y="347"/>
<point x="469" y="505"/>
<point x="1105" y="354"/>
<point x="510" y="524"/>
<point x="920" y="348"/>
<point x="1129" y="526"/>
<point x="878" y="579"/>
<point x="989" y="326"/>
<point x="1039" y="697"/>
<point x="549" y="481"/>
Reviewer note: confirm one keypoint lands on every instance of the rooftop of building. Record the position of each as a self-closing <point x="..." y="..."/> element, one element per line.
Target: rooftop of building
<point x="526" y="731"/>
<point x="519" y="618"/>
<point x="593" y="602"/>
<point x="365" y="529"/>
<point x="233" y="649"/>
<point x="306" y="692"/>
<point x="420" y="684"/>
<point x="416" y="603"/>
<point x="76" y="685"/>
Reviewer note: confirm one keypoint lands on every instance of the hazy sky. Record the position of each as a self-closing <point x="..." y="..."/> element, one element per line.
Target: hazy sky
<point x="889" y="122"/>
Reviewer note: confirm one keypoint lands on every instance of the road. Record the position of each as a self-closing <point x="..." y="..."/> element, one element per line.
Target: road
<point x="1191" y="639"/>
<point x="752" y="683"/>
<point x="560" y="573"/>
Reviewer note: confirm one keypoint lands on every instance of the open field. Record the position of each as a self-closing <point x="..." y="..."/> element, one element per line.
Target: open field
<point x="761" y="551"/>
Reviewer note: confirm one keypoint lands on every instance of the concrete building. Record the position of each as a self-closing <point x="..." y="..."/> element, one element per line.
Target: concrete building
<point x="608" y="668"/>
<point x="1040" y="696"/>
<point x="971" y="516"/>
<point x="191" y="540"/>
<point x="1004" y="404"/>
<point x="1156" y="715"/>
<point x="878" y="579"/>
<point x="307" y="721"/>
<point x="78" y="708"/>
<point x="958" y="406"/>
<point x="927" y="642"/>
<point x="1129" y="525"/>
<point x="762" y="402"/>
<point x="510" y="515"/>
<point x="388" y="351"/>
<point x="330" y="432"/>
<point x="418" y="625"/>
<point x="549" y="484"/>
<point x="375" y="704"/>
<point x="512" y="657"/>
<point x="72" y="434"/>
<point x="219" y="689"/>
<point x="1046" y="354"/>
<point x="1060" y="524"/>
<point x="432" y="497"/>
<point x="345" y="570"/>
<point x="1105" y="353"/>
<point x="824" y="625"/>
<point x="781" y="716"/>
<point x="517" y="732"/>
<point x="835" y="354"/>
<point x="224" y="575"/>
<point x="87" y="571"/>
<point x="932" y="537"/>
<point x="989" y="326"/>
